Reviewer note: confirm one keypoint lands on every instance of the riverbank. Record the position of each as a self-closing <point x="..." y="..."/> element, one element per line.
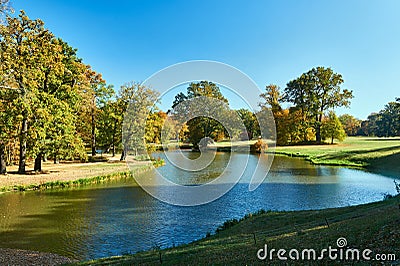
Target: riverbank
<point x="373" y="226"/>
<point x="380" y="155"/>
<point x="67" y="174"/>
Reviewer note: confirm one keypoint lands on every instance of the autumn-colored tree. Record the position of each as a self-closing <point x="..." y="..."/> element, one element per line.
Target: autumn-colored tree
<point x="350" y="124"/>
<point x="154" y="126"/>
<point x="291" y="124"/>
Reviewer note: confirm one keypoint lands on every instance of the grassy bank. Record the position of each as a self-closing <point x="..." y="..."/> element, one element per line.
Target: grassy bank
<point x="374" y="226"/>
<point x="376" y="154"/>
<point x="74" y="175"/>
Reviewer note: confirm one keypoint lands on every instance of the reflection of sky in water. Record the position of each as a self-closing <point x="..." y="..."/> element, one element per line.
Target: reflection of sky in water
<point x="115" y="218"/>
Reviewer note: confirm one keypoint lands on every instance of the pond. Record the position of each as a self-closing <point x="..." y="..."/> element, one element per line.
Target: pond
<point x="119" y="217"/>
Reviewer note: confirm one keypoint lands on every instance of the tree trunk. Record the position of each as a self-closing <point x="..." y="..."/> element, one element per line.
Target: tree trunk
<point x="332" y="140"/>
<point x="3" y="167"/>
<point x="38" y="163"/>
<point x="318" y="134"/>
<point x="113" y="149"/>
<point x="113" y="140"/>
<point x="123" y="155"/>
<point x="22" y="146"/>
<point x="93" y="135"/>
<point x="55" y="158"/>
<point x="318" y="129"/>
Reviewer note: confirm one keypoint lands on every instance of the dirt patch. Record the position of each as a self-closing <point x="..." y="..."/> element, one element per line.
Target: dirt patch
<point x="62" y="172"/>
<point x="27" y="257"/>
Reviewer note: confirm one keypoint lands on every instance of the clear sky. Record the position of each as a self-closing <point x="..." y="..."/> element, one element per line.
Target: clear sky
<point x="271" y="41"/>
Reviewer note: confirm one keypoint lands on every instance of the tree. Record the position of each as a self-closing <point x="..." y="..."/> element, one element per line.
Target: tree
<point x="7" y="124"/>
<point x="5" y="9"/>
<point x="109" y="125"/>
<point x="155" y="124"/>
<point x="315" y="92"/>
<point x="386" y="123"/>
<point x="250" y="122"/>
<point x="45" y="82"/>
<point x="28" y="52"/>
<point x="138" y="101"/>
<point x="332" y="128"/>
<point x="204" y="102"/>
<point x="272" y="98"/>
<point x="350" y="124"/>
<point x="291" y="125"/>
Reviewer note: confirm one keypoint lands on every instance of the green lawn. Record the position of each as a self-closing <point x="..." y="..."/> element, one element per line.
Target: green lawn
<point x="377" y="154"/>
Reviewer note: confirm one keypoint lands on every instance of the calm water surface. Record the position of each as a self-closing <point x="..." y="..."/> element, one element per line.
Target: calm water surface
<point x="119" y="217"/>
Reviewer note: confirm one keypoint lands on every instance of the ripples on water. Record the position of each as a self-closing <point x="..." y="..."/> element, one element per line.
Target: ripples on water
<point x="119" y="218"/>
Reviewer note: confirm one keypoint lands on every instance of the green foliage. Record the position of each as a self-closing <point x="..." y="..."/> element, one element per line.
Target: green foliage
<point x="315" y="92"/>
<point x="385" y="123"/>
<point x="250" y="122"/>
<point x="205" y="103"/>
<point x="227" y="224"/>
<point x="43" y="85"/>
<point x="139" y="101"/>
<point x="332" y="128"/>
<point x="109" y="126"/>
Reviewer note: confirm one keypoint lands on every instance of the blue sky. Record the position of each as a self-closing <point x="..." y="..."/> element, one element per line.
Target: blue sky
<point x="271" y="41"/>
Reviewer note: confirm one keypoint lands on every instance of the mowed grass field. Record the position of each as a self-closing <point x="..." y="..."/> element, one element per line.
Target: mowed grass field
<point x="376" y="154"/>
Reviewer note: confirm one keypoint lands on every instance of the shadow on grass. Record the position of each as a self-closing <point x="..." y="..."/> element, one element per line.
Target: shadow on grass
<point x="348" y="154"/>
<point x="383" y="139"/>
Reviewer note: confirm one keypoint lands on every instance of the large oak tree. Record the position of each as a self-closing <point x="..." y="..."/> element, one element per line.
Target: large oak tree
<point x="316" y="92"/>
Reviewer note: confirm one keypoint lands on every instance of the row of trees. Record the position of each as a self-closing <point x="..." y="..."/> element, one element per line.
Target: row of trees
<point x="313" y="96"/>
<point x="52" y="105"/>
<point x="385" y="123"/>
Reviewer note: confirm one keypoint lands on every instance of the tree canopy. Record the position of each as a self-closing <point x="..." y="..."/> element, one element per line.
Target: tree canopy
<point x="315" y="92"/>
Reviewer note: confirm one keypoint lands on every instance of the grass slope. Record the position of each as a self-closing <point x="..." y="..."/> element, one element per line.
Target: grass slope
<point x="374" y="226"/>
